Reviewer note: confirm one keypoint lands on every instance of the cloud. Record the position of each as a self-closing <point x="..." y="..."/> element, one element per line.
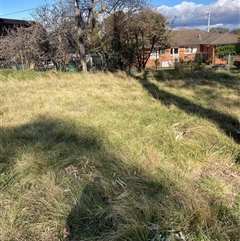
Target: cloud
<point x="223" y="13"/>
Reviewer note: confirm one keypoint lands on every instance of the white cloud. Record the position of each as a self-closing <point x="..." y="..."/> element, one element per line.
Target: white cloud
<point x="224" y="13"/>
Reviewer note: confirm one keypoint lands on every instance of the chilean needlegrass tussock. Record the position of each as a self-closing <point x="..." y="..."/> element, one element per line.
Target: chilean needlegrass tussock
<point x="116" y="156"/>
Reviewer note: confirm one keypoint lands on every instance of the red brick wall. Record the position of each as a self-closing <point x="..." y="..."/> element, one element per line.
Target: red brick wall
<point x="208" y="52"/>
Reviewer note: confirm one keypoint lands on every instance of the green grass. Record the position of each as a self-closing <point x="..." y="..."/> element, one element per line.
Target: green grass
<point x="113" y="157"/>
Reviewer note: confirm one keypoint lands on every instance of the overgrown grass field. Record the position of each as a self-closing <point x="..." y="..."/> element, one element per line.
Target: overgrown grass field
<point x="142" y="157"/>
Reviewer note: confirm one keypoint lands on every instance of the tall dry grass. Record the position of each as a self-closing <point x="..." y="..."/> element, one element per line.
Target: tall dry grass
<point x="112" y="157"/>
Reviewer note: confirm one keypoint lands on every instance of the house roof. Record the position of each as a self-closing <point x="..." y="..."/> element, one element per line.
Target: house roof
<point x="219" y="39"/>
<point x="4" y="22"/>
<point x="186" y="37"/>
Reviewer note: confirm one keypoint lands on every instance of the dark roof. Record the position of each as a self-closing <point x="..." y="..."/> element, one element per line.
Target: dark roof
<point x="224" y="38"/>
<point x="186" y="37"/>
<point x="6" y="23"/>
<point x="12" y="22"/>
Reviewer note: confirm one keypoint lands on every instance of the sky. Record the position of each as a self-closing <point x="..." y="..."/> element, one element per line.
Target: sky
<point x="187" y="14"/>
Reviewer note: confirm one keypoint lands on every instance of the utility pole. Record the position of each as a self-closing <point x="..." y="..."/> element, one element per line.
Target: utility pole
<point x="208" y="27"/>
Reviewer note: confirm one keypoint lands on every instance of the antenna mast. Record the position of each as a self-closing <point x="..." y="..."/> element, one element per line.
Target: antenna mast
<point x="208" y="27"/>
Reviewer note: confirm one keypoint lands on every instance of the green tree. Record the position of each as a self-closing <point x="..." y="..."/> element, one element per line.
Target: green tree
<point x="237" y="46"/>
<point x="134" y="35"/>
<point x="224" y="50"/>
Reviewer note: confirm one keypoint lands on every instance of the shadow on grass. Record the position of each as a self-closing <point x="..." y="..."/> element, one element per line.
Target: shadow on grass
<point x="192" y="79"/>
<point x="228" y="124"/>
<point x="118" y="201"/>
<point x="53" y="139"/>
<point x="109" y="184"/>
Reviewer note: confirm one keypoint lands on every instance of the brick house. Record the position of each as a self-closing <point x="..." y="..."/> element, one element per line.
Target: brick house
<point x="188" y="44"/>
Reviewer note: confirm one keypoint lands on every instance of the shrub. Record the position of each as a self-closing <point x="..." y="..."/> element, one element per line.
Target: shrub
<point x="237" y="62"/>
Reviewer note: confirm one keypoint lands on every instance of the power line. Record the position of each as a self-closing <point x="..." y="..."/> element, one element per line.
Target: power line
<point x="26" y="10"/>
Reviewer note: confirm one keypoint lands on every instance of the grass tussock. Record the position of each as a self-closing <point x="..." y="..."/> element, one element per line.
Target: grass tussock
<point x="113" y="157"/>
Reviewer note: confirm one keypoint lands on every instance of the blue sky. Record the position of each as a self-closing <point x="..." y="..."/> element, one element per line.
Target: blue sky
<point x="224" y="13"/>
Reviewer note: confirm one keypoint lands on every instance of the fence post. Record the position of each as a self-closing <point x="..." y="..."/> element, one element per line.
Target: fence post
<point x="229" y="61"/>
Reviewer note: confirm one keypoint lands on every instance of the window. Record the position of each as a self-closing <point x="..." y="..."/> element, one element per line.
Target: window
<point x="162" y="51"/>
<point x="189" y="50"/>
<point x="154" y="55"/>
<point x="174" y="51"/>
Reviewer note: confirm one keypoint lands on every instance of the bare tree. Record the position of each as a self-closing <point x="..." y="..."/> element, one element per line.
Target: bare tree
<point x="111" y="6"/>
<point x="23" y="43"/>
<point x="66" y="23"/>
<point x="74" y="26"/>
<point x="79" y="23"/>
<point x="58" y="20"/>
<point x="219" y="30"/>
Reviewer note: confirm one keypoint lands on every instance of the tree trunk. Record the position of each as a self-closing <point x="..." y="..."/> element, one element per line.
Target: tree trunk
<point x="21" y="57"/>
<point x="80" y="35"/>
